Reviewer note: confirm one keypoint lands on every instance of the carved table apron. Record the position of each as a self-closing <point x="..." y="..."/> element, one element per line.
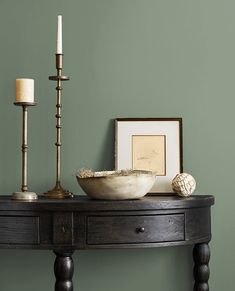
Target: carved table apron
<point x="81" y="223"/>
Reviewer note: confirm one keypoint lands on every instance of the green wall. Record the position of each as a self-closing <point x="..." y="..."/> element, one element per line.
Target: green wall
<point x="126" y="58"/>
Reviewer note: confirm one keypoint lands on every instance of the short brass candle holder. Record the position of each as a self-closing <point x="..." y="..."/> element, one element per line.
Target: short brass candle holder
<point x="58" y="192"/>
<point x="24" y="194"/>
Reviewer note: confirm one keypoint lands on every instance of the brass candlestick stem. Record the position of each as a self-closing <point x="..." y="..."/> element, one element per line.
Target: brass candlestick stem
<point x="24" y="194"/>
<point x="58" y="191"/>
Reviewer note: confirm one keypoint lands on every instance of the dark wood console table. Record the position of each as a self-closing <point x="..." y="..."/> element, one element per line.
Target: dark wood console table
<point x="81" y="223"/>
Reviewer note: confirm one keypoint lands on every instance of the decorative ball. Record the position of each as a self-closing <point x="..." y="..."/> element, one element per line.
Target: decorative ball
<point x="184" y="184"/>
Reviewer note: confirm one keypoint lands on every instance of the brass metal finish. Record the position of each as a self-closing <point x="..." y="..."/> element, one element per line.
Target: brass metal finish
<point x="29" y="196"/>
<point x="25" y="103"/>
<point x="24" y="187"/>
<point x="24" y="195"/>
<point x="58" y="192"/>
<point x="59" y="62"/>
<point x="56" y="78"/>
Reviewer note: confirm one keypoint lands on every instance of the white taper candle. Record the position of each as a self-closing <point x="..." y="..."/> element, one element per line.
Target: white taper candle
<point x="59" y="35"/>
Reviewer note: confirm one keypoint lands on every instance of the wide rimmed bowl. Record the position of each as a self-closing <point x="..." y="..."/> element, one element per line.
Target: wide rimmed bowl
<point x="112" y="185"/>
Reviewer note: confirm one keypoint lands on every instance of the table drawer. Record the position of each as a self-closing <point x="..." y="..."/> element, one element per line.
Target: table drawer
<point x="134" y="229"/>
<point x="19" y="230"/>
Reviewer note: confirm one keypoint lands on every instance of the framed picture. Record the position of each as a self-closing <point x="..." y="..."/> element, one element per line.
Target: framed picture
<point x="152" y="144"/>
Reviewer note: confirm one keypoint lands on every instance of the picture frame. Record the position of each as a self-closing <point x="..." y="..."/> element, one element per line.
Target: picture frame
<point x="154" y="144"/>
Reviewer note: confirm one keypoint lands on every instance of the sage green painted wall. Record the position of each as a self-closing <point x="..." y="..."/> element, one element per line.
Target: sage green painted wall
<point x="126" y="58"/>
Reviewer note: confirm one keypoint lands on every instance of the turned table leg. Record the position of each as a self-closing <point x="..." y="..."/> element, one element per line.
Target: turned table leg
<point x="63" y="269"/>
<point x="201" y="256"/>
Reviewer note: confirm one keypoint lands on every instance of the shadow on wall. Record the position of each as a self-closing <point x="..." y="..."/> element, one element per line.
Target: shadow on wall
<point x="106" y="158"/>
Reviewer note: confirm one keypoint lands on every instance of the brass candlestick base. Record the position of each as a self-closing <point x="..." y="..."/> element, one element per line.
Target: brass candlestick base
<point x="29" y="196"/>
<point x="58" y="192"/>
<point x="24" y="194"/>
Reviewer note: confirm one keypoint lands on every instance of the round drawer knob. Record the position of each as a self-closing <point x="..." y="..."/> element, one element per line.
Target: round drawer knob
<point x="140" y="229"/>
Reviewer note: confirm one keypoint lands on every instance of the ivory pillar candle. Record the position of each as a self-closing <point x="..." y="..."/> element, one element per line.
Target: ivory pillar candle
<point x="59" y="35"/>
<point x="24" y="90"/>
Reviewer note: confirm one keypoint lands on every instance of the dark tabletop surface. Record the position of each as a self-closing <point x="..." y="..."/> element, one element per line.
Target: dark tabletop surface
<point x="84" y="203"/>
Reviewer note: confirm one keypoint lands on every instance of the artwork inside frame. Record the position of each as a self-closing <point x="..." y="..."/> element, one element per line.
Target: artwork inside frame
<point x="153" y="144"/>
<point x="149" y="153"/>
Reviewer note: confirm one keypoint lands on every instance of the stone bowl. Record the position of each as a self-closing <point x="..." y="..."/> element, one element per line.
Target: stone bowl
<point x="113" y="185"/>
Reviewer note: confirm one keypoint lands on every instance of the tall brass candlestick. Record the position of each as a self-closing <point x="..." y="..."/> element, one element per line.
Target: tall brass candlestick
<point x="24" y="194"/>
<point x="58" y="191"/>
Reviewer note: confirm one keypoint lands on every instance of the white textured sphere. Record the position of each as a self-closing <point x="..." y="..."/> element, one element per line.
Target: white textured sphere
<point x="183" y="184"/>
